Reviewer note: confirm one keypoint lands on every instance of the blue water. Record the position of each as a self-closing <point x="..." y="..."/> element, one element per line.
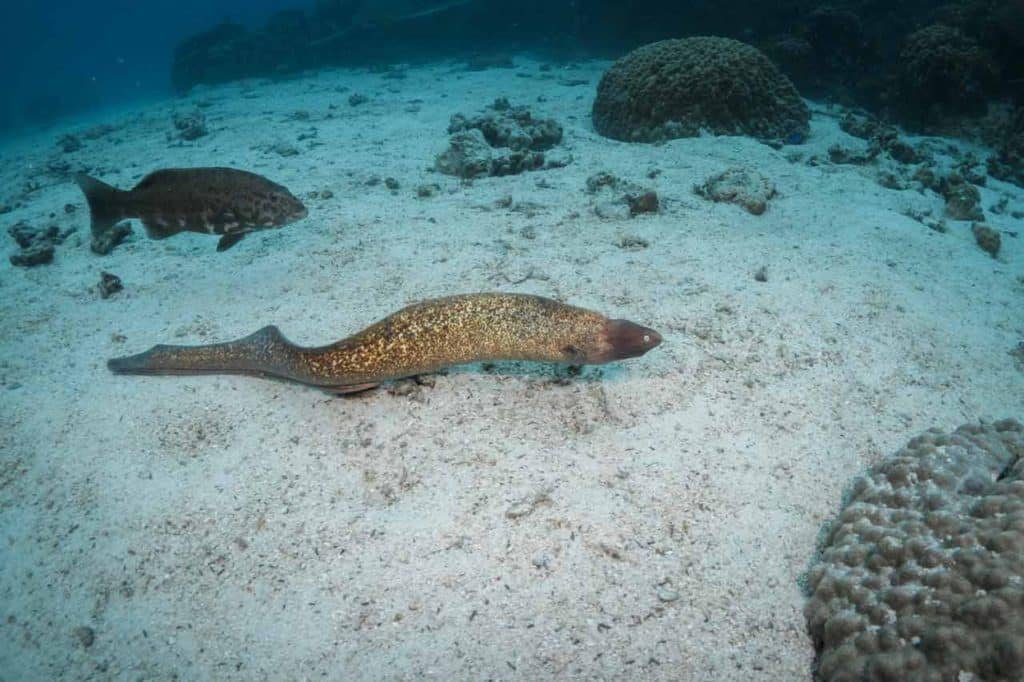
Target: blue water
<point x="67" y="56"/>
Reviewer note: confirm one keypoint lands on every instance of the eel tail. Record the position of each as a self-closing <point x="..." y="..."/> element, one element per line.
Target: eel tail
<point x="265" y="353"/>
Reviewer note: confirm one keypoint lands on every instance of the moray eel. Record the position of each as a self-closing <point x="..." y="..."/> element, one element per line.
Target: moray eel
<point x="419" y="339"/>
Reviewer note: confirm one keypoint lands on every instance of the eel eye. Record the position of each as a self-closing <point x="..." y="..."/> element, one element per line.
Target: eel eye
<point x="572" y="353"/>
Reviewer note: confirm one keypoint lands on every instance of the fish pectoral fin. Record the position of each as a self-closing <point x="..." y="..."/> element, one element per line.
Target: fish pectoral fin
<point x="350" y="388"/>
<point x="229" y="240"/>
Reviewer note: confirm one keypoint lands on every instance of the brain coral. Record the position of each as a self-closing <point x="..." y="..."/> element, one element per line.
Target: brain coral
<point x="943" y="72"/>
<point x="920" y="577"/>
<point x="674" y="88"/>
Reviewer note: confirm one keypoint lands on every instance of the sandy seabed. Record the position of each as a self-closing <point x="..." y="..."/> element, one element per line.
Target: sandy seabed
<point x="649" y="518"/>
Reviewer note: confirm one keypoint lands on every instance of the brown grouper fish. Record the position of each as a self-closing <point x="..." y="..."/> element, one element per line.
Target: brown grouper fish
<point x="221" y="201"/>
<point x="421" y="338"/>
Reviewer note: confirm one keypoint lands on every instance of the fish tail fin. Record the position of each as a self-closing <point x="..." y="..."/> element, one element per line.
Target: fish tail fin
<point x="264" y="353"/>
<point x="106" y="203"/>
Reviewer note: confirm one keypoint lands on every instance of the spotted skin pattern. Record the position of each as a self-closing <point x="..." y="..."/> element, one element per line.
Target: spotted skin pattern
<point x="212" y="200"/>
<point x="218" y="201"/>
<point x="418" y="339"/>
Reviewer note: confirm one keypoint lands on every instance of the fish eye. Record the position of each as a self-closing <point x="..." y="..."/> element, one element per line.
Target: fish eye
<point x="647" y="338"/>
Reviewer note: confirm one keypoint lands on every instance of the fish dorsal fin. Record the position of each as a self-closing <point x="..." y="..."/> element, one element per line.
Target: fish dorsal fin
<point x="156" y="178"/>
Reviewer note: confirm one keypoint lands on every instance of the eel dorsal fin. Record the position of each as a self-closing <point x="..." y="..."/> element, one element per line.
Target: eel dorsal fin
<point x="264" y="353"/>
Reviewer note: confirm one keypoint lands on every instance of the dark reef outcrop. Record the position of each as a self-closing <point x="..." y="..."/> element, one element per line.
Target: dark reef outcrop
<point x="230" y="51"/>
<point x="942" y="73"/>
<point x="221" y="54"/>
<point x="1008" y="161"/>
<point x="933" y="66"/>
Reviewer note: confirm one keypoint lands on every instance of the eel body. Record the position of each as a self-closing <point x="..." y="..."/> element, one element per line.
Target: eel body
<point x="418" y="339"/>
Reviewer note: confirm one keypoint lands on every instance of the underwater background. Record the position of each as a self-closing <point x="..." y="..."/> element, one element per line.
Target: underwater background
<point x="462" y="339"/>
<point x="61" y="58"/>
<point x="74" y="56"/>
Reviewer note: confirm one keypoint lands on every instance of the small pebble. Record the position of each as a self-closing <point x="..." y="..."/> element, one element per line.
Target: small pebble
<point x="599" y="180"/>
<point x="987" y="238"/>
<point x="69" y="143"/>
<point x="37" y="254"/>
<point x="642" y="203"/>
<point x="284" y="149"/>
<point x="109" y="284"/>
<point x="425" y="191"/>
<point x="762" y="274"/>
<point x="667" y="594"/>
<point x="633" y="243"/>
<point x="527" y="505"/>
<point x="190" y="126"/>
<point x="612" y="210"/>
<point x="85" y="635"/>
<point x="104" y="242"/>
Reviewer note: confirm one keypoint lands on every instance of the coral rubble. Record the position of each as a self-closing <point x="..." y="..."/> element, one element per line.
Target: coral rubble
<point x="505" y="141"/>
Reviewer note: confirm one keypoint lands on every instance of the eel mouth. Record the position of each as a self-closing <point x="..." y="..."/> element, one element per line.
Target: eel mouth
<point x="629" y="340"/>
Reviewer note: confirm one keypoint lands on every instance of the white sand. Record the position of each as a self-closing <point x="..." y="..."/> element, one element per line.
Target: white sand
<point x="236" y="528"/>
